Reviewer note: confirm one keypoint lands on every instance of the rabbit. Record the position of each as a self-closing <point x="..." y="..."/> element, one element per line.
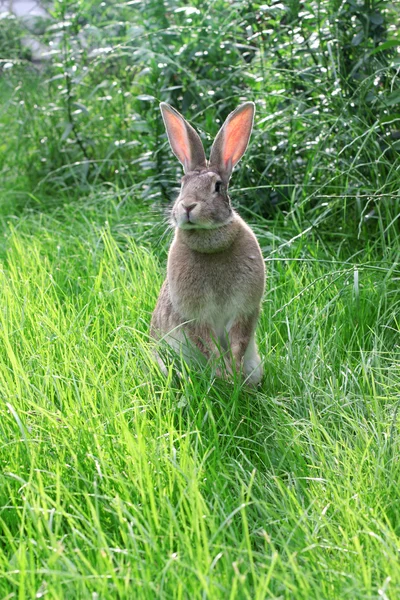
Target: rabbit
<point x="210" y="299"/>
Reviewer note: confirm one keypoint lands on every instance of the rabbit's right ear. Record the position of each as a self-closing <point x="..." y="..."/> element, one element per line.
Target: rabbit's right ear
<point x="185" y="141"/>
<point x="232" y="139"/>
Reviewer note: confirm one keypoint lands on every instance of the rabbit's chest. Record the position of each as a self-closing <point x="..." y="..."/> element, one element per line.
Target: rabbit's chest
<point x="206" y="290"/>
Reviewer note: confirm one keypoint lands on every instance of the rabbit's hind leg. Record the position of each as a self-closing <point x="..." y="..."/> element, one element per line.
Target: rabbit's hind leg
<point x="244" y="349"/>
<point x="252" y="365"/>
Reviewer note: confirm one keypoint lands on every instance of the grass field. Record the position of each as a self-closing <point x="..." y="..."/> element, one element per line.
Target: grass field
<point x="116" y="483"/>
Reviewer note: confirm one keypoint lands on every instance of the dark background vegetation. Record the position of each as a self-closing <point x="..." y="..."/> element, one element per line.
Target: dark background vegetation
<point x="323" y="75"/>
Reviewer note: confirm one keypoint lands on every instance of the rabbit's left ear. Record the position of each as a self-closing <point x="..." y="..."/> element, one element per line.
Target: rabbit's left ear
<point x="232" y="139"/>
<point x="185" y="141"/>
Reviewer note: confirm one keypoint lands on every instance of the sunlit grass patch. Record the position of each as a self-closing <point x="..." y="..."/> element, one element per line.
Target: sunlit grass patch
<point x="116" y="481"/>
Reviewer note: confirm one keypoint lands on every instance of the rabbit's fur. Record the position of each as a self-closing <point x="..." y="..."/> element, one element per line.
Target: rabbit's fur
<point x="211" y="297"/>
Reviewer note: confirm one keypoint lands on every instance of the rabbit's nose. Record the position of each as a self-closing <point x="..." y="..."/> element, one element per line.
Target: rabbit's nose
<point x="190" y="207"/>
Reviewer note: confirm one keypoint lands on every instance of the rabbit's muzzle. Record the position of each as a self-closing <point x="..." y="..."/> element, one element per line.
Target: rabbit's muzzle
<point x="187" y="214"/>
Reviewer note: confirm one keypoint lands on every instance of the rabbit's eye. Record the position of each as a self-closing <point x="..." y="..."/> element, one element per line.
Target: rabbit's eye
<point x="218" y="186"/>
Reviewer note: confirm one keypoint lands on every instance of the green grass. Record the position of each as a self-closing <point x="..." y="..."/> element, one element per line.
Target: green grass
<point x="116" y="483"/>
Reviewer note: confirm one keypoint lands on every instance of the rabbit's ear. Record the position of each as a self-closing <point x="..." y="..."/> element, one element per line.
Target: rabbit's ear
<point x="185" y="141"/>
<point x="232" y="139"/>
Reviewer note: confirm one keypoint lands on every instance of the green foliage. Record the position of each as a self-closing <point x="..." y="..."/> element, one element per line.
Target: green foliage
<point x="11" y="48"/>
<point x="323" y="75"/>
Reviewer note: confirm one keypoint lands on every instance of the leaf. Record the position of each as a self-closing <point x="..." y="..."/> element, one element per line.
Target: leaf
<point x="145" y="97"/>
<point x="81" y="107"/>
<point x="55" y="78"/>
<point x="67" y="131"/>
<point x="385" y="46"/>
<point x="370" y="97"/>
<point x="358" y="38"/>
<point x="376" y="18"/>
<point x="134" y="31"/>
<point x="393" y="98"/>
<point x="85" y="169"/>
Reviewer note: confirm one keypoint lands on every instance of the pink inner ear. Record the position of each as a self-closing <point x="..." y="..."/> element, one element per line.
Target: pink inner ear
<point x="236" y="137"/>
<point x="178" y="137"/>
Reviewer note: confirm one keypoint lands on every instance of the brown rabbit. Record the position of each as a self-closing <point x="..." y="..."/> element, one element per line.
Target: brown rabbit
<point x="211" y="297"/>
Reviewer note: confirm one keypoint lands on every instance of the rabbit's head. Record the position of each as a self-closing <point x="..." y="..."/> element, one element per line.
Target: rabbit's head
<point x="203" y="201"/>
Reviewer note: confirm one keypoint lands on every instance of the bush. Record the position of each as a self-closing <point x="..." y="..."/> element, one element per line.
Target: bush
<point x="323" y="76"/>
